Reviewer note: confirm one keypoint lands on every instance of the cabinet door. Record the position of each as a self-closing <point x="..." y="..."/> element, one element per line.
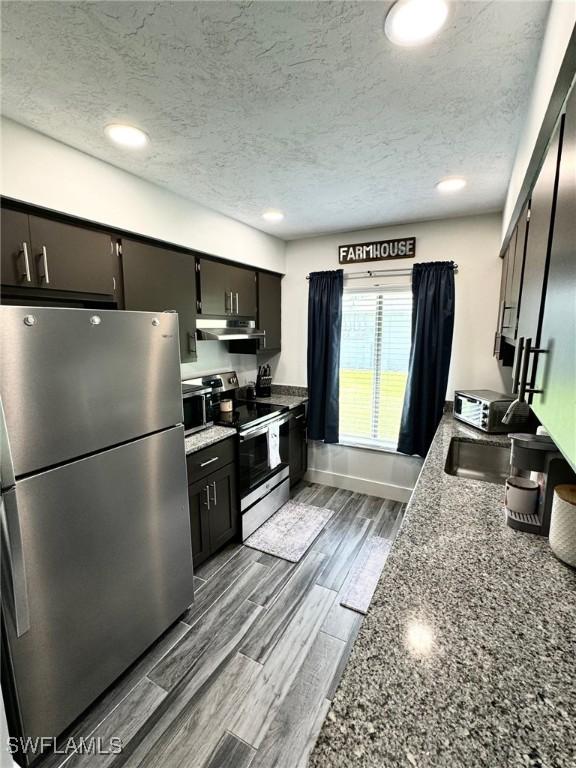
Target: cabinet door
<point x="157" y="280"/>
<point x="243" y="286"/>
<point x="537" y="252"/>
<point x="269" y="309"/>
<point x="227" y="290"/>
<point x="508" y="307"/>
<point x="514" y="297"/>
<point x="223" y="512"/>
<point x="298" y="445"/>
<point x="17" y="267"/>
<point x="556" y="375"/>
<point x="198" y="500"/>
<point x="70" y="258"/>
<point x="537" y="245"/>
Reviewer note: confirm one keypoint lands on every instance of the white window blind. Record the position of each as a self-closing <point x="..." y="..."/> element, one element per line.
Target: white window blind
<point x="374" y="355"/>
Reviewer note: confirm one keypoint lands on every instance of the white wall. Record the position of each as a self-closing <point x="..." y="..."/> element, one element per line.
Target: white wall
<point x="472" y="242"/>
<point x="45" y="172"/>
<point x="36" y="169"/>
<point x="560" y="25"/>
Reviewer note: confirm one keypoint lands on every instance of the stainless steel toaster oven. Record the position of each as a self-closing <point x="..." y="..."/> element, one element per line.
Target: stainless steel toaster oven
<point x="483" y="409"/>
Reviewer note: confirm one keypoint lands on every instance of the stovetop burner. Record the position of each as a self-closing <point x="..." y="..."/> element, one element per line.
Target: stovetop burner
<point x="249" y="414"/>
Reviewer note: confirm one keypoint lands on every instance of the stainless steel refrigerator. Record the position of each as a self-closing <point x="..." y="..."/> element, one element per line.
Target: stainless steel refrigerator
<point x="96" y="550"/>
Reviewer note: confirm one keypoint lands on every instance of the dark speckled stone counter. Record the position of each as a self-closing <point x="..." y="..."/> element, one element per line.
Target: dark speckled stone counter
<point x="207" y="437"/>
<point x="467" y="656"/>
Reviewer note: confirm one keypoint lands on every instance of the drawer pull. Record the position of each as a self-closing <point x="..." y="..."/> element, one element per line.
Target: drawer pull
<point x="210" y="461"/>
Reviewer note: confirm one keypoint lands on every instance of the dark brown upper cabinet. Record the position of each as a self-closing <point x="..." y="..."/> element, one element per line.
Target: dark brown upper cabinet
<point x="511" y="283"/>
<point x="556" y="369"/>
<point x="71" y="258"/>
<point x="269" y="309"/>
<point x="17" y="267"/>
<point x="538" y="245"/>
<point x="226" y="290"/>
<point x="160" y="280"/>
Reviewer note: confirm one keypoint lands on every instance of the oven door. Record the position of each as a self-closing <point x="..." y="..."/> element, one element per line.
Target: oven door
<point x="254" y="460"/>
<point x="197" y="412"/>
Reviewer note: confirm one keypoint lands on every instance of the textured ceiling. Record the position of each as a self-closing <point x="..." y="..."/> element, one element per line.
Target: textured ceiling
<point x="304" y="106"/>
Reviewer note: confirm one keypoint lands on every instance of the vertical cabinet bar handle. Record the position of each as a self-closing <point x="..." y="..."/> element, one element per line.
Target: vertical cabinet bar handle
<point x="46" y="275"/>
<point x="214" y="499"/>
<point x="207" y="502"/>
<point x="237" y="305"/>
<point x="524" y="370"/>
<point x="24" y="252"/>
<point x="517" y="365"/>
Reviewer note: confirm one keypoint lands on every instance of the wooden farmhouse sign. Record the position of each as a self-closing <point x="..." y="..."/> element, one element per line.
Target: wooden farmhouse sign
<point x="381" y="250"/>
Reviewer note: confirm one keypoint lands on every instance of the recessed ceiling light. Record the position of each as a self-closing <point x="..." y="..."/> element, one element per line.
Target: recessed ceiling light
<point x="272" y="215"/>
<point x="453" y="184"/>
<point x="126" y="135"/>
<point x="412" y="22"/>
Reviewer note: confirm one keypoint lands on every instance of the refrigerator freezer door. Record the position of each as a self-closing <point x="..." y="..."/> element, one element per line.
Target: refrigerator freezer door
<point x="108" y="563"/>
<point x="76" y="381"/>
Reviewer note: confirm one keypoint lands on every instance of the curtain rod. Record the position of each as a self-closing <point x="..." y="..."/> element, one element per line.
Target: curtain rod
<point x="380" y="273"/>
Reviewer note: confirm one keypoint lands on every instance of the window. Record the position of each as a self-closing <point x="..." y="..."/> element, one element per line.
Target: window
<point x="374" y="355"/>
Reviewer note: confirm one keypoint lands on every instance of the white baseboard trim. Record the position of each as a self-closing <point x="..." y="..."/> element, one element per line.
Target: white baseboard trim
<point x="360" y="485"/>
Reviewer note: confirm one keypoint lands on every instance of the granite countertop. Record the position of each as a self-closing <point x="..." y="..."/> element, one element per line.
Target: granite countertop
<point x="207" y="437"/>
<point x="291" y="401"/>
<point x="467" y="656"/>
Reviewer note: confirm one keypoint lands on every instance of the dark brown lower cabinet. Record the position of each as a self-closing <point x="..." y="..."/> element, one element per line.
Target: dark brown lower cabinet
<point x="214" y="514"/>
<point x="298" y="444"/>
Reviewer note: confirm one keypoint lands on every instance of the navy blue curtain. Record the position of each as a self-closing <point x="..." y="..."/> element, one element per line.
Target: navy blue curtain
<point x="432" y="328"/>
<point x="324" y="331"/>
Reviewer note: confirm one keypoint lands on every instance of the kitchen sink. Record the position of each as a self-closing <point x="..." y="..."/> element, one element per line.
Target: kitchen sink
<point x="478" y="461"/>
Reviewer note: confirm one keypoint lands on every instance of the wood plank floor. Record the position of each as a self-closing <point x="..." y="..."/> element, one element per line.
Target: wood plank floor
<point x="245" y="679"/>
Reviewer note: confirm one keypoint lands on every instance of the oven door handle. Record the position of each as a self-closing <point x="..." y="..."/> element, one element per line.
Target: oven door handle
<point x="261" y="430"/>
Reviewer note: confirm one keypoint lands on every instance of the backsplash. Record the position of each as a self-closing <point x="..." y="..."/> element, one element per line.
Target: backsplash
<point x="213" y="356"/>
<point x="288" y="389"/>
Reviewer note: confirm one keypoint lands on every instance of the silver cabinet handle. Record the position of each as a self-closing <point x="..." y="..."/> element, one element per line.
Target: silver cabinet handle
<point x="210" y="461"/>
<point x="299" y="417"/>
<point x="24" y="252"/>
<point x="237" y="305"/>
<point x="45" y="276"/>
<point x="524" y="370"/>
<point x="214" y="499"/>
<point x="14" y="554"/>
<point x="517" y="365"/>
<point x="207" y="491"/>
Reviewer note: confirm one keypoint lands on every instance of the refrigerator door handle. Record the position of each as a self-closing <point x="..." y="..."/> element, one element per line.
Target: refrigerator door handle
<point x="7" y="478"/>
<point x="13" y="561"/>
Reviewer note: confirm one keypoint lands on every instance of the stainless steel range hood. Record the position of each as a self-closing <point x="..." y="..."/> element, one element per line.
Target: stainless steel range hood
<point x="227" y="329"/>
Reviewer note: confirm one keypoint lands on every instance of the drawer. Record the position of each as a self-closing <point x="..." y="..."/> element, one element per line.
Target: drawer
<point x="298" y="416"/>
<point x="208" y="460"/>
